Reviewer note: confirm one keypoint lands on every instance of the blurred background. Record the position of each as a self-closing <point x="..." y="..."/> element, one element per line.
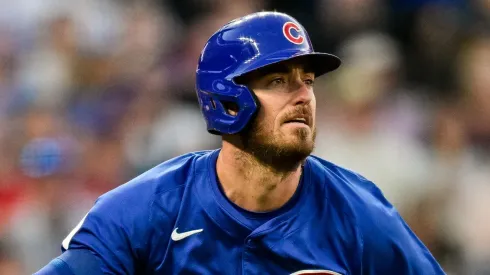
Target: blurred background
<point x="94" y="92"/>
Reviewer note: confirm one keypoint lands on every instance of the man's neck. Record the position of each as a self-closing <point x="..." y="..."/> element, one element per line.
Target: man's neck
<point x="251" y="185"/>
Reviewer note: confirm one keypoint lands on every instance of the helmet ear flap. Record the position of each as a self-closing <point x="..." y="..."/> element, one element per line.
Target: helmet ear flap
<point x="257" y="102"/>
<point x="254" y="114"/>
<point x="226" y="106"/>
<point x="213" y="104"/>
<point x="244" y="80"/>
<point x="231" y="107"/>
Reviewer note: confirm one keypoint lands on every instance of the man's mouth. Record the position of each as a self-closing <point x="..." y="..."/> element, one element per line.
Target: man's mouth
<point x="297" y="120"/>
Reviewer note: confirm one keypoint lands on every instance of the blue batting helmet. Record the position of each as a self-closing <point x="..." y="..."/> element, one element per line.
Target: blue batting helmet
<point x="241" y="46"/>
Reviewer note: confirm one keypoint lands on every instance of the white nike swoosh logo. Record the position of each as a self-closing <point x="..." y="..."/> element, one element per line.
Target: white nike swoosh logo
<point x="179" y="236"/>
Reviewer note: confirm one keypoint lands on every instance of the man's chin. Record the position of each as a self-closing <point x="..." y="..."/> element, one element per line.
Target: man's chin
<point x="300" y="139"/>
<point x="283" y="151"/>
<point x="298" y="132"/>
<point x="283" y="156"/>
<point x="297" y="149"/>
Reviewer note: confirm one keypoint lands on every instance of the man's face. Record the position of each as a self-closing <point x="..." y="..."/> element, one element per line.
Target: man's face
<point x="284" y="128"/>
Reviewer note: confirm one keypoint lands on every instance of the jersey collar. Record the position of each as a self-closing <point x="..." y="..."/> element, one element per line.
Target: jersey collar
<point x="227" y="217"/>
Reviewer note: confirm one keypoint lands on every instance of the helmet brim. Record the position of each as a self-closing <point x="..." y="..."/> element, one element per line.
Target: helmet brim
<point x="320" y="63"/>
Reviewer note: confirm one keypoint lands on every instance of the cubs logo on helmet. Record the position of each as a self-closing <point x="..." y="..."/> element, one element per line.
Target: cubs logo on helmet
<point x="287" y="30"/>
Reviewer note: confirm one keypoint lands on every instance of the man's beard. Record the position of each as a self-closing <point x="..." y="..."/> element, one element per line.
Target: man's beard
<point x="270" y="150"/>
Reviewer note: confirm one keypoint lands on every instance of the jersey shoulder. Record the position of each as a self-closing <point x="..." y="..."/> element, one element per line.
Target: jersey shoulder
<point x="389" y="246"/>
<point x="151" y="199"/>
<point x="348" y="181"/>
<point x="169" y="175"/>
<point x="358" y="195"/>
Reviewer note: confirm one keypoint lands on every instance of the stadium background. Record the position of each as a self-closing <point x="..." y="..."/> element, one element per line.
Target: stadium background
<point x="94" y="92"/>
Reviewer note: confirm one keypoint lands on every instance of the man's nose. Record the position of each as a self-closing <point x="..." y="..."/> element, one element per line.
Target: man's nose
<point x="302" y="92"/>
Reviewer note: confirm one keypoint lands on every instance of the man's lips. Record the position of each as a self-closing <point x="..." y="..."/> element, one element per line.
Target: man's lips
<point x="302" y="120"/>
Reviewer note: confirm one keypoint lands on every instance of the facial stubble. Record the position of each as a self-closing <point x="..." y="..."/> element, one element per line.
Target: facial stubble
<point x="278" y="152"/>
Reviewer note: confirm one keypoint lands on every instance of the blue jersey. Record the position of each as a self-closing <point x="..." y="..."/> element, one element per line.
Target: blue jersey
<point x="175" y="219"/>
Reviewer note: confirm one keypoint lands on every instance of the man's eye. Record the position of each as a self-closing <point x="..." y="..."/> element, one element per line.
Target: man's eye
<point x="309" y="82"/>
<point x="278" y="81"/>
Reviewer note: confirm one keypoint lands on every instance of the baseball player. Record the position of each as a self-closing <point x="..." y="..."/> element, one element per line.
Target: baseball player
<point x="261" y="204"/>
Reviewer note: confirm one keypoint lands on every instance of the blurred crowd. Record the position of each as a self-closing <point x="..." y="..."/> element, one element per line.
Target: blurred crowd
<point x="94" y="92"/>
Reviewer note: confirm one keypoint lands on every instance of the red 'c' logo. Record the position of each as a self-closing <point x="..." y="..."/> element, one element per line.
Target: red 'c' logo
<point x="286" y="30"/>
